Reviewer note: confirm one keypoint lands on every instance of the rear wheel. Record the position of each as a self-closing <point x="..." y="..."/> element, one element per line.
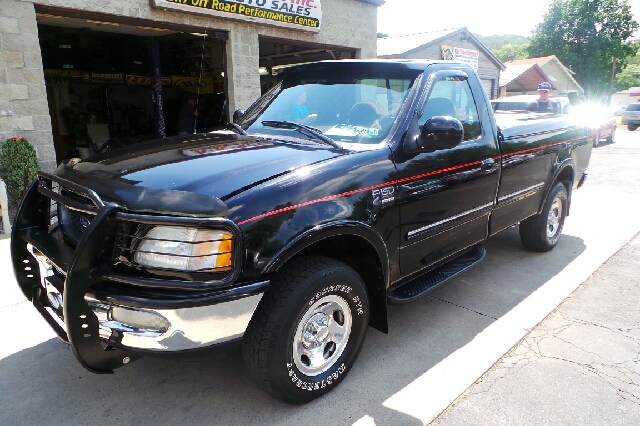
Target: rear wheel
<point x="611" y="136"/>
<point x="631" y="127"/>
<point x="308" y="329"/>
<point x="542" y="231"/>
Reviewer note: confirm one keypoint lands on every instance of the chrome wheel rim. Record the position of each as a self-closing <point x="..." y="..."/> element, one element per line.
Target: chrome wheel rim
<point x="553" y="219"/>
<point x="321" y="335"/>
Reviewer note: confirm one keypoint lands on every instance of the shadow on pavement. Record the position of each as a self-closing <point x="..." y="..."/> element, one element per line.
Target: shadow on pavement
<point x="46" y="385"/>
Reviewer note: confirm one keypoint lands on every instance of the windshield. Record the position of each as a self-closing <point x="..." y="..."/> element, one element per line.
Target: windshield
<point x="352" y="104"/>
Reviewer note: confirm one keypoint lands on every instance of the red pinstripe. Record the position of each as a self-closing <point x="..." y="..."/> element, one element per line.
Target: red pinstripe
<point x="394" y="182"/>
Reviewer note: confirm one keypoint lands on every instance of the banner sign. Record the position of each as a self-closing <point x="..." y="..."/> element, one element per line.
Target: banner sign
<point x="460" y="54"/>
<point x="145" y="80"/>
<point x="190" y="84"/>
<point x="97" y="77"/>
<point x="62" y="73"/>
<point x="156" y="89"/>
<point x="305" y="15"/>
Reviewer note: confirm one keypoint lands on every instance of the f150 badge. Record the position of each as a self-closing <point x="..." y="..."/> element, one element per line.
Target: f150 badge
<point x="383" y="196"/>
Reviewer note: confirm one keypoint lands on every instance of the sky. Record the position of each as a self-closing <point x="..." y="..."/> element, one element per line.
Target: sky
<point x="484" y="17"/>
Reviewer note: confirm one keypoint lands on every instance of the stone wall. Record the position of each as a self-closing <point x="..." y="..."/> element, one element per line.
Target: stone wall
<point x="24" y="110"/>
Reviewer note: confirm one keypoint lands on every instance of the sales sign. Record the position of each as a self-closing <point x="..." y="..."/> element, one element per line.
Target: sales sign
<point x="304" y="15"/>
<point x="460" y="54"/>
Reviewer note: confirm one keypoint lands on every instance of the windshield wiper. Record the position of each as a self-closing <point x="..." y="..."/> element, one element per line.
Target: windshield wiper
<point x="234" y="126"/>
<point x="304" y="129"/>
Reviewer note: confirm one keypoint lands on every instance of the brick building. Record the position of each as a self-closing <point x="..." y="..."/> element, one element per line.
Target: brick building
<point x="75" y="73"/>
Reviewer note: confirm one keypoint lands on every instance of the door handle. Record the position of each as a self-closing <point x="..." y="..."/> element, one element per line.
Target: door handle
<point x="487" y="165"/>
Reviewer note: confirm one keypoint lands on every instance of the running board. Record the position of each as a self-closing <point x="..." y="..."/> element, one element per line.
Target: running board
<point x="426" y="282"/>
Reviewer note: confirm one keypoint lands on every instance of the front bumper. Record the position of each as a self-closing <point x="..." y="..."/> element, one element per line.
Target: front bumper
<point x="109" y="318"/>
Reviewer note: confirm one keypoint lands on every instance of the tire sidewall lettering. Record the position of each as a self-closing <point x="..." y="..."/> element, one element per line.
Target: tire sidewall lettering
<point x="332" y="289"/>
<point x="314" y="386"/>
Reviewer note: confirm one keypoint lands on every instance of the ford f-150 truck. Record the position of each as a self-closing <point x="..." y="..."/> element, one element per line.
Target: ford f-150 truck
<point x="348" y="186"/>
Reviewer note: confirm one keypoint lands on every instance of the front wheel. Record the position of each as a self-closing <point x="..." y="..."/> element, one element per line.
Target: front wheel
<point x="631" y="127"/>
<point x="541" y="232"/>
<point x="308" y="329"/>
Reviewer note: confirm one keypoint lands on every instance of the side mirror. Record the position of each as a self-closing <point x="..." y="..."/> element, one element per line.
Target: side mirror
<point x="441" y="132"/>
<point x="237" y="114"/>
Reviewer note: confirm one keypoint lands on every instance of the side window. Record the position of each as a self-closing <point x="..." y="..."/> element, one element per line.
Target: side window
<point x="452" y="96"/>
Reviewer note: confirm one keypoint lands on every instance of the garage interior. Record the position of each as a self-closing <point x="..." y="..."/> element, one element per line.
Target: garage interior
<point x="98" y="77"/>
<point x="276" y="54"/>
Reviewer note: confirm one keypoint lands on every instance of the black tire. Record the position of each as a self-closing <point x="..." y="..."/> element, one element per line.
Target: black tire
<point x="541" y="232"/>
<point x="611" y="136"/>
<point x="631" y="127"/>
<point x="274" y="346"/>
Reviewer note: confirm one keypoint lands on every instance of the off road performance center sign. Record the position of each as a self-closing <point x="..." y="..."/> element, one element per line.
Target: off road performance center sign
<point x="303" y="15"/>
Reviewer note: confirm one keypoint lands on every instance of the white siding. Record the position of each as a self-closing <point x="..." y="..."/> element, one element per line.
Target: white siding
<point x="487" y="84"/>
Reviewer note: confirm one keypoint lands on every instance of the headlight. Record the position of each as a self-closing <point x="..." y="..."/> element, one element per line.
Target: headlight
<point x="188" y="249"/>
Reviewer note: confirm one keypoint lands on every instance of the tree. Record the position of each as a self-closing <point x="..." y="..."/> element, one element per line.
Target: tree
<point x="510" y="52"/>
<point x="506" y="47"/>
<point x="498" y="41"/>
<point x="588" y="36"/>
<point x="630" y="76"/>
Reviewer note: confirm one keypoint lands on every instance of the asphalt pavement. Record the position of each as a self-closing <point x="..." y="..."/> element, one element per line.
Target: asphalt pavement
<point x="521" y="338"/>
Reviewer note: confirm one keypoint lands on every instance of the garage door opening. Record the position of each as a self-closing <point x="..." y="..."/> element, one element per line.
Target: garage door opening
<point x="111" y="85"/>
<point x="276" y="54"/>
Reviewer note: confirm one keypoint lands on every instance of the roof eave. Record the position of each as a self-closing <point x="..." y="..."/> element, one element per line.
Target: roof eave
<point x="373" y="2"/>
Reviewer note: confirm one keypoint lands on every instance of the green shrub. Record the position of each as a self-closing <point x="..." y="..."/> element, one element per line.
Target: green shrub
<point x="18" y="168"/>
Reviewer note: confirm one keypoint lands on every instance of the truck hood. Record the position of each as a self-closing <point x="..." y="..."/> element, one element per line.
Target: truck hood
<point x="217" y="165"/>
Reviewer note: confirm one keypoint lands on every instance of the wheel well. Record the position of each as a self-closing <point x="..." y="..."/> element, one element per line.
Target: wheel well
<point x="359" y="254"/>
<point x="566" y="176"/>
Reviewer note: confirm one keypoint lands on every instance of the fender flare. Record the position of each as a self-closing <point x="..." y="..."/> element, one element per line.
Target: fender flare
<point x="561" y="167"/>
<point x="327" y="230"/>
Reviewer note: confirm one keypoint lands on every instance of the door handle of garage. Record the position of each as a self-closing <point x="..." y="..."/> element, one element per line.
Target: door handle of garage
<point x="487" y="165"/>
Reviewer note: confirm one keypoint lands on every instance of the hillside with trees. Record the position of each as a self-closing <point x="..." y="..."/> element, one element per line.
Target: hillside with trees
<point x="507" y="47"/>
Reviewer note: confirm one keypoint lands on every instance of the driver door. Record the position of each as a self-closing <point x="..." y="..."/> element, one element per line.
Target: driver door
<point x="448" y="194"/>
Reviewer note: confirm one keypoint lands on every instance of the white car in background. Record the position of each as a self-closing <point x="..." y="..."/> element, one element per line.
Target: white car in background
<point x="520" y="102"/>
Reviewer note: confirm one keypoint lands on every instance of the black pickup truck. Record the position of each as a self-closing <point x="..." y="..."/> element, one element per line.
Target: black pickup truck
<point x="347" y="186"/>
